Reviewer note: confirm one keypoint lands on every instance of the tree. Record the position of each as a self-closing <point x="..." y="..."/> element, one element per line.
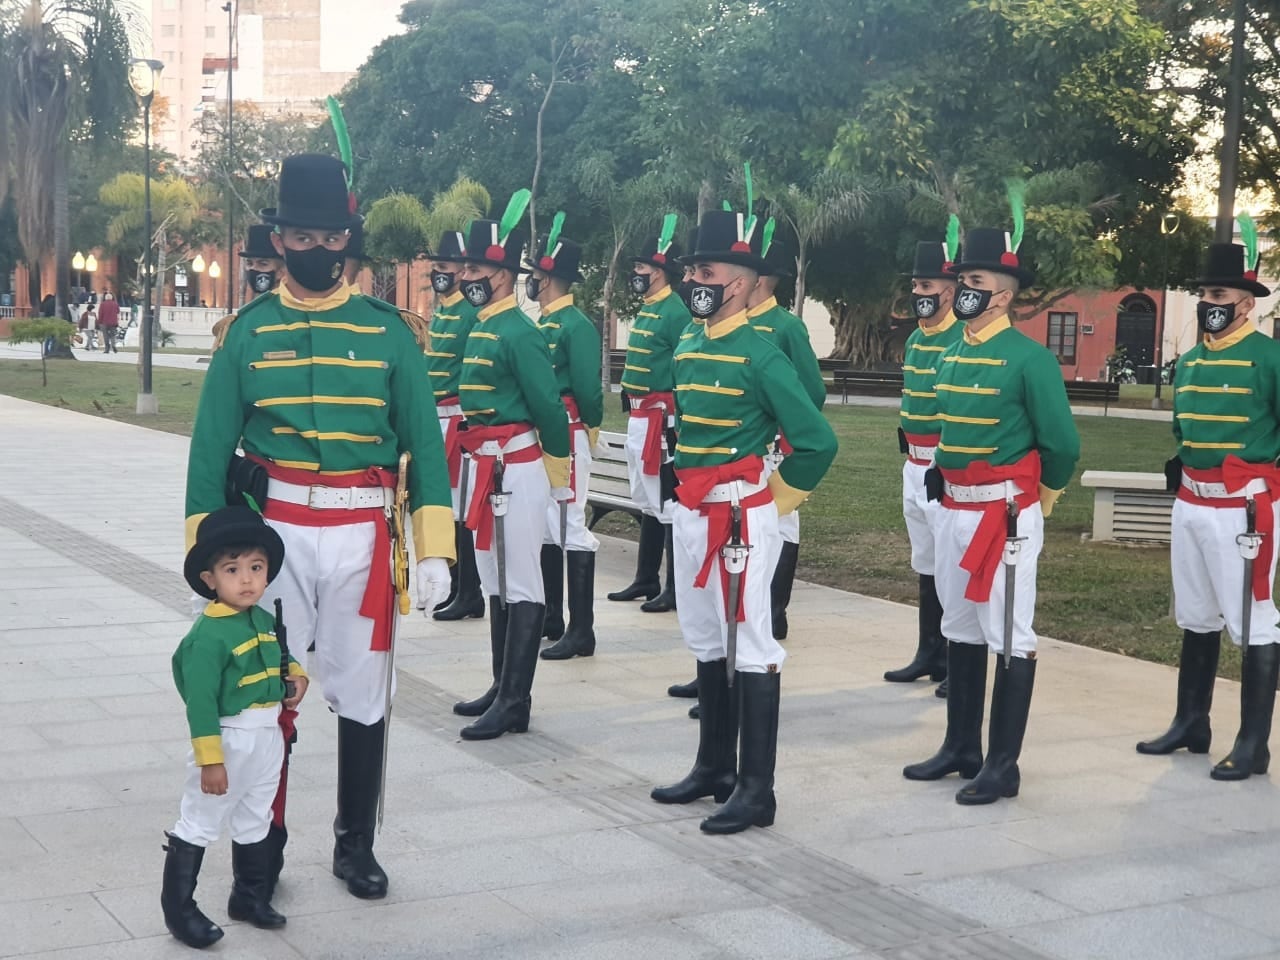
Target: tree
<point x="395" y="231"/>
<point x="454" y="208"/>
<point x="44" y="331"/>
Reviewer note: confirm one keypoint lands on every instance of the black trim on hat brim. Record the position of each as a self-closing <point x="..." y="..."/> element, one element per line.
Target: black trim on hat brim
<point x="672" y="264"/>
<point x="433" y="259"/>
<point x="308" y="220"/>
<point x="1021" y="274"/>
<point x="1234" y="283"/>
<point x="748" y="260"/>
<point x="257" y="534"/>
<point x="257" y="255"/>
<point x="576" y="277"/>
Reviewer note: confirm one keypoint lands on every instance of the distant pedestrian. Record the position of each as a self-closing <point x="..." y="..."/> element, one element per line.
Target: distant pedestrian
<point x="49" y="306"/>
<point x="89" y="324"/>
<point x="109" y="322"/>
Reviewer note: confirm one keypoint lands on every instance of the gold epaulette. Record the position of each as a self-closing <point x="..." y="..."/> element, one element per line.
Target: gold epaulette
<point x="420" y="327"/>
<point x="220" y="331"/>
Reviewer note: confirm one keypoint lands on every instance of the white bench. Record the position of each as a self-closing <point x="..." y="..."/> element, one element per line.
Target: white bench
<point x="609" y="488"/>
<point x="1129" y="506"/>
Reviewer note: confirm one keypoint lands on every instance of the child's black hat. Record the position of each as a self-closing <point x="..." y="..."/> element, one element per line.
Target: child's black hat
<point x="231" y="527"/>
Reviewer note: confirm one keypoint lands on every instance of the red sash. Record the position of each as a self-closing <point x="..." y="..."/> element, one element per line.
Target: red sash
<point x="653" y="407"/>
<point x="1235" y="474"/>
<point x="452" y="448"/>
<point x="921" y="440"/>
<point x="480" y="511"/>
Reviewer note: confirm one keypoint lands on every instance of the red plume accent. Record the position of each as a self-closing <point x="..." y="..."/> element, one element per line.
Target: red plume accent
<point x="352" y="206"/>
<point x="1009" y="259"/>
<point x="495" y="252"/>
<point x="546" y="264"/>
<point x="1251" y="275"/>
<point x="948" y="267"/>
<point x="659" y="258"/>
<point x="741" y="246"/>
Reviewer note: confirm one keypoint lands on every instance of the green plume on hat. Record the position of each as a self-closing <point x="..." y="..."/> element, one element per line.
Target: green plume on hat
<point x="727" y="206"/>
<point x="1017" y="193"/>
<point x="1249" y="234"/>
<point x="516" y="207"/>
<point x="668" y="232"/>
<point x="952" y="243"/>
<point x="766" y="240"/>
<point x="557" y="224"/>
<point x="343" y="137"/>
<point x="749" y="224"/>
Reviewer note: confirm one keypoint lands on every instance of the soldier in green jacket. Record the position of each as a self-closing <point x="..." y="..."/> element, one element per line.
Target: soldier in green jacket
<point x="262" y="265"/>
<point x="324" y="388"/>
<point x="451" y="324"/>
<point x="576" y="355"/>
<point x="735" y="392"/>
<point x="1226" y="421"/>
<point x="1007" y="448"/>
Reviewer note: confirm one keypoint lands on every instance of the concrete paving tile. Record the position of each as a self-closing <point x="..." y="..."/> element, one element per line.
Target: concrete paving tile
<point x="1248" y="860"/>
<point x="20" y="739"/>
<point x="20" y="798"/>
<point x="605" y="851"/>
<point x="118" y="827"/>
<point x="154" y="701"/>
<point x="534" y="817"/>
<point x="991" y="900"/>
<point x="1145" y="933"/>
<point x="73" y="688"/>
<point x="16" y="842"/>
<point x="12" y="654"/>
<point x="1105" y="830"/>
<point x="55" y="923"/>
<point x="765" y="933"/>
<point x="82" y="761"/>
<point x="936" y="854"/>
<point x="643" y="942"/>
<point x="138" y="729"/>
<point x="1252" y="909"/>
<point x="240" y="943"/>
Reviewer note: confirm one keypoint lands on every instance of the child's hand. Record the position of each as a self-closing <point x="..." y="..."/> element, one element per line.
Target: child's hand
<point x="299" y="691"/>
<point x="213" y="779"/>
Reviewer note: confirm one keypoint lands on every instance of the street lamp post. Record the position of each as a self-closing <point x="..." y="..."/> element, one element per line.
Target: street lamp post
<point x="77" y="264"/>
<point x="228" y="9"/>
<point x="215" y="272"/>
<point x="143" y="76"/>
<point x="1168" y="227"/>
<point x="197" y="267"/>
<point x="91" y="266"/>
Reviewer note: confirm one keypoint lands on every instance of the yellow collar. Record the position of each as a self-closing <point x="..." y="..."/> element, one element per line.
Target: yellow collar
<point x="331" y="301"/>
<point x="941" y="326"/>
<point x="989" y="331"/>
<point x="1231" y="339"/>
<point x="449" y="299"/>
<point x="506" y="303"/>
<point x="761" y="308"/>
<point x="556" y="306"/>
<point x="216" y="608"/>
<point x="660" y="295"/>
<point x="723" y="328"/>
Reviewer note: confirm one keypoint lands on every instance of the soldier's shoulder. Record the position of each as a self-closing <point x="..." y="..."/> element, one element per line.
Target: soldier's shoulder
<point x="253" y="309"/>
<point x="417" y="324"/>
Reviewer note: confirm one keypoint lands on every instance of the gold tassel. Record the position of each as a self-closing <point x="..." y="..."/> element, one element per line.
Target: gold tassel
<point x="220" y="331"/>
<point x="419" y="326"/>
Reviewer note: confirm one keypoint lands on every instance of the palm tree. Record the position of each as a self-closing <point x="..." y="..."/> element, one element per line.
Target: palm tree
<point x="62" y="77"/>
<point x="395" y="231"/>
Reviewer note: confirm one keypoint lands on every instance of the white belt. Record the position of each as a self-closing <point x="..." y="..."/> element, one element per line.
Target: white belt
<point x="252" y="718"/>
<point x="725" y="492"/>
<point x="319" y="497"/>
<point x="444" y="410"/>
<point x="921" y="453"/>
<point x="982" y="492"/>
<point x="494" y="448"/>
<point x="1218" y="491"/>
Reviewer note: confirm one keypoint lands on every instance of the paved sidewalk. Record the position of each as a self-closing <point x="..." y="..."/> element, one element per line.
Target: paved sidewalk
<point x="546" y="845"/>
<point x="182" y="361"/>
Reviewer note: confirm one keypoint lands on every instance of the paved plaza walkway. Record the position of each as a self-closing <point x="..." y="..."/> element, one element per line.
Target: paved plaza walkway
<point x="546" y="845"/>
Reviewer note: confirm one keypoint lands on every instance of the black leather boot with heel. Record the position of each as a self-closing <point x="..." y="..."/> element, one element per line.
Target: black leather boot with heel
<point x="359" y="781"/>
<point x="553" y="589"/>
<point x="931" y="647"/>
<point x="250" y="899"/>
<point x="752" y="803"/>
<point x="1197" y="672"/>
<point x="498" y="650"/>
<point x="468" y="601"/>
<point x="665" y="602"/>
<point x="182" y="917"/>
<point x="579" y="639"/>
<point x="999" y="777"/>
<point x="715" y="767"/>
<point x="1250" y="753"/>
<point x="961" y="750"/>
<point x="509" y="711"/>
<point x="784" y="578"/>
<point x="648" y="560"/>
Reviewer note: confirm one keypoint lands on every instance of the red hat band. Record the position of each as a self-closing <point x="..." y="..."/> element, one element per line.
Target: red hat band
<point x="547" y="264"/>
<point x="659" y="258"/>
<point x="741" y="246"/>
<point x="495" y="253"/>
<point x="1251" y="275"/>
<point x="1009" y="259"/>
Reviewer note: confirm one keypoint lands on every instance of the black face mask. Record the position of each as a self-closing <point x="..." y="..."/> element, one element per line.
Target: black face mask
<point x="926" y="306"/>
<point x="442" y="282"/>
<point x="260" y="281"/>
<point x="685" y="290"/>
<point x="317" y="269"/>
<point x="478" y="292"/>
<point x="640" y="283"/>
<point x="532" y="287"/>
<point x="706" y="299"/>
<point x="1215" y="317"/>
<point x="971" y="302"/>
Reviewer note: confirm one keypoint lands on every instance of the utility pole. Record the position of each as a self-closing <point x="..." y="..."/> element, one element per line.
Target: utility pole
<point x="228" y="8"/>
<point x="1224" y="228"/>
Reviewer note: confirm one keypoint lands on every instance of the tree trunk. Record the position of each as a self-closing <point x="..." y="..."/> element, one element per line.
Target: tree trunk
<point x="802" y="272"/>
<point x="34" y="293"/>
<point x="706" y="197"/>
<point x="157" y="286"/>
<point x="61" y="230"/>
<point x="609" y="324"/>
<point x="862" y="337"/>
<point x="537" y="149"/>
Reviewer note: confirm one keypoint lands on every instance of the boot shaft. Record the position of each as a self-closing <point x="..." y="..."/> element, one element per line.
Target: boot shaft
<point x="582" y="588"/>
<point x="784" y="575"/>
<point x="759" y="698"/>
<point x="1010" y="707"/>
<point x="520" y="660"/>
<point x="182" y="864"/>
<point x="552" y="560"/>
<point x="966" y="690"/>
<point x="360" y="749"/>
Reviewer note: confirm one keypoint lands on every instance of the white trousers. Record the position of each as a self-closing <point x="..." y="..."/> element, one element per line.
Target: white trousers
<point x="1208" y="574"/>
<point x="466" y="461"/>
<point x="701" y="611"/>
<point x="788" y="526"/>
<point x="646" y="491"/>
<point x="577" y="536"/>
<point x="964" y="621"/>
<point x="253" y="752"/>
<point x="523" y="528"/>
<point x="921" y="515"/>
<point x="322" y="585"/>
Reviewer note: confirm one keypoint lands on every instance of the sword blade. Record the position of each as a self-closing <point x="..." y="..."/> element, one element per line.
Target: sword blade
<point x="464" y="482"/>
<point x="500" y="555"/>
<point x="731" y="635"/>
<point x="564" y="524"/>
<point x="386" y="711"/>
<point x="1010" y="584"/>
<point x="1246" y="612"/>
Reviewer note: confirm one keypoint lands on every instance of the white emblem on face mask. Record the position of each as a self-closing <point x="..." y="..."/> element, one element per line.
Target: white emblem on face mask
<point x="924" y="307"/>
<point x="968" y="301"/>
<point x="701" y="300"/>
<point x="1216" y="318"/>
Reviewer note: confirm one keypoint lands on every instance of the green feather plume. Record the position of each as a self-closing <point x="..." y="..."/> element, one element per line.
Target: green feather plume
<point x="750" y="222"/>
<point x="516" y="207"/>
<point x="952" y="243"/>
<point x="766" y="241"/>
<point x="1249" y="234"/>
<point x="253" y="504"/>
<point x="668" y="232"/>
<point x="728" y="207"/>
<point x="344" y="138"/>
<point x="557" y="224"/>
<point x="1017" y="191"/>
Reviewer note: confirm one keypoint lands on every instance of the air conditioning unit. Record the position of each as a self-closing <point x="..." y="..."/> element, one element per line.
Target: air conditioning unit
<point x="1086" y="329"/>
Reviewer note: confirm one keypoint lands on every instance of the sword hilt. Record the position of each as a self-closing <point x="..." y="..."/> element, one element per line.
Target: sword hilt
<point x="282" y="638"/>
<point x="1250" y="542"/>
<point x="1012" y="542"/>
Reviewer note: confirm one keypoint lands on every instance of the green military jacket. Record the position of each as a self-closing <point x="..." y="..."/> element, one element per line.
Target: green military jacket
<point x="1000" y="396"/>
<point x="1226" y="400"/>
<point x="450" y="326"/>
<point x="921" y="362"/>
<point x="227" y="663"/>
<point x="734" y="391"/>
<point x="574" y="343"/>
<point x="655" y="332"/>
<point x="789" y="334"/>
<point x="333" y="385"/>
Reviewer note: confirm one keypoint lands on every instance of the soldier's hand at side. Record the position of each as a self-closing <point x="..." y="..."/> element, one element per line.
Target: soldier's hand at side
<point x="300" y="684"/>
<point x="213" y="779"/>
<point x="433" y="583"/>
<point x="561" y="494"/>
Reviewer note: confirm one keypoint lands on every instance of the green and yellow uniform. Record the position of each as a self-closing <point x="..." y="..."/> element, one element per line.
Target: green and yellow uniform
<point x="655" y="332"/>
<point x="921" y="362"/>
<point x="450" y="326"/>
<point x="788" y="333"/>
<point x="575" y="349"/>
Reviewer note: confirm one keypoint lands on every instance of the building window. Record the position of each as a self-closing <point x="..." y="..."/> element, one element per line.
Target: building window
<point x="210" y="32"/>
<point x="1062" y="336"/>
<point x="167" y="30"/>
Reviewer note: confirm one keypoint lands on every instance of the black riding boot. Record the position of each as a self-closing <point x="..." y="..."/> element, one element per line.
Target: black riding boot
<point x="1250" y="754"/>
<point x="961" y="750"/>
<point x="359" y="779"/>
<point x="509" y="712"/>
<point x="784" y="576"/>
<point x="498" y="648"/>
<point x="468" y="603"/>
<point x="1197" y="671"/>
<point x="453" y="576"/>
<point x="250" y="870"/>
<point x="277" y="838"/>
<point x="752" y="803"/>
<point x="665" y="602"/>
<point x="177" y="897"/>
<point x="1010" y="705"/>
<point x="685" y="691"/>
<point x="553" y="587"/>
<point x="648" y="560"/>
<point x="715" y="767"/>
<point x="931" y="648"/>
<point x="580" y="639"/>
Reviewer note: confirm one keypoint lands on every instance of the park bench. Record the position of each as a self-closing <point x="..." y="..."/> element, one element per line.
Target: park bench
<point x="608" y="489"/>
<point x="1092" y="391"/>
<point x="1129" y="506"/>
<point x="876" y="383"/>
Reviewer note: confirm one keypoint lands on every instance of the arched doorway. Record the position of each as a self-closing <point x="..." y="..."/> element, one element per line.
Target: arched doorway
<point x="1136" y="329"/>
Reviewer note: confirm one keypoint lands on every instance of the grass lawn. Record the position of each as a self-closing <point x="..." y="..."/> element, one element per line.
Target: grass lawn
<point x="1108" y="596"/>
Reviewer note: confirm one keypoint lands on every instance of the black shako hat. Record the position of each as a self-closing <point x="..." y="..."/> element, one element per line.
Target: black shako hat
<point x="777" y="259"/>
<point x="1227" y="266"/>
<point x="355" y="243"/>
<point x="727" y="237"/>
<point x="483" y="246"/>
<point x="563" y="263"/>
<point x="257" y="245"/>
<point x="986" y="248"/>
<point x="231" y="527"/>
<point x="452" y="248"/>
<point x="663" y="252"/>
<point x="937" y="261"/>
<point x="313" y="193"/>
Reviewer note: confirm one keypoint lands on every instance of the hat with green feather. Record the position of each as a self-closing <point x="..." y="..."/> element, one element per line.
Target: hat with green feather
<point x="936" y="261"/>
<point x="498" y="242"/>
<point x="728" y="237"/>
<point x="1235" y="265"/>
<point x="999" y="251"/>
<point x="559" y="256"/>
<point x="315" y="190"/>
<point x="777" y="258"/>
<point x="663" y="252"/>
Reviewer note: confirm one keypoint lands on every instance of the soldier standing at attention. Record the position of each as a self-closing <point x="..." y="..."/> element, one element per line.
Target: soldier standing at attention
<point x="1226" y="420"/>
<point x="262" y="265"/>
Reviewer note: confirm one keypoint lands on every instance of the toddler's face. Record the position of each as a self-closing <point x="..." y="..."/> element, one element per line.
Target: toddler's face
<point x="239" y="581"/>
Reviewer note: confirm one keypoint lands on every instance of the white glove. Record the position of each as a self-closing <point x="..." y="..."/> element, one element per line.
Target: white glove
<point x="433" y="582"/>
<point x="198" y="603"/>
<point x="560" y="494"/>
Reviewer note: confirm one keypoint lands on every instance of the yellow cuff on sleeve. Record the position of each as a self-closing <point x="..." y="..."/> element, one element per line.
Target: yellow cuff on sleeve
<point x="207" y="750"/>
<point x="433" y="534"/>
<point x="295" y="669"/>
<point x="593" y="437"/>
<point x="557" y="470"/>
<point x="1048" y="498"/>
<point x="786" y="496"/>
<point x="193" y="524"/>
